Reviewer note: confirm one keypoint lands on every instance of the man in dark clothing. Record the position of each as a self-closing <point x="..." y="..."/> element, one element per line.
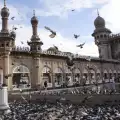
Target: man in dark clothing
<point x="45" y="84"/>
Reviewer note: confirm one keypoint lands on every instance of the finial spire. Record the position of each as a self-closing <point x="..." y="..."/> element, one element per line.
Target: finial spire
<point x="33" y="12"/>
<point x="4" y="3"/>
<point x="97" y="12"/>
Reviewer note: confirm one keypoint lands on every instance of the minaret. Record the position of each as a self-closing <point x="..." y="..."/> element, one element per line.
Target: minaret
<point x="6" y="44"/>
<point x="7" y="40"/>
<point x="35" y="49"/>
<point x="35" y="43"/>
<point x="101" y="34"/>
<point x="5" y="15"/>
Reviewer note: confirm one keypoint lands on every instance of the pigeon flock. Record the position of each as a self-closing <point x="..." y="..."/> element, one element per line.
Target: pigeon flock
<point x="61" y="111"/>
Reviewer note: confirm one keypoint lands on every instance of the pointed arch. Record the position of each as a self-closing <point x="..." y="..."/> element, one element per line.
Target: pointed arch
<point x="46" y="75"/>
<point x="21" y="77"/>
<point x="46" y="69"/>
<point x="106" y="76"/>
<point x="58" y="70"/>
<point x="98" y="74"/>
<point x="105" y="71"/>
<point x="110" y="71"/>
<point x="85" y="79"/>
<point x="21" y="69"/>
<point x="77" y="75"/>
<point x="98" y="71"/>
<point x="85" y="71"/>
<point x="58" y="76"/>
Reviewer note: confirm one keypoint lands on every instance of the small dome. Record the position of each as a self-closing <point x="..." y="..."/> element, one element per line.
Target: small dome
<point x="99" y="22"/>
<point x="52" y="49"/>
<point x="5" y="12"/>
<point x="34" y="20"/>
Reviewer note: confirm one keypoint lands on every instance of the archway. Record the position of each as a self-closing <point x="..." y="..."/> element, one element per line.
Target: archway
<point x="105" y="76"/>
<point x="46" y="76"/>
<point x="99" y="80"/>
<point x="115" y="74"/>
<point x="21" y="77"/>
<point x="118" y="80"/>
<point x="110" y="74"/>
<point x="68" y="79"/>
<point x="92" y="76"/>
<point x="85" y="79"/>
<point x="58" y="75"/>
<point x="77" y="75"/>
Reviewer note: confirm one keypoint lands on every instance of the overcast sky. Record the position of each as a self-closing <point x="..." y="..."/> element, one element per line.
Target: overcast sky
<point x="57" y="15"/>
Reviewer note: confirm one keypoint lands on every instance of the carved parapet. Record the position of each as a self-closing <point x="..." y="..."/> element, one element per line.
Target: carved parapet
<point x="111" y="36"/>
<point x="21" y="49"/>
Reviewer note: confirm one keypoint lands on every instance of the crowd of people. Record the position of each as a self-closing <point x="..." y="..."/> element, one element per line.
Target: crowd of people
<point x="61" y="111"/>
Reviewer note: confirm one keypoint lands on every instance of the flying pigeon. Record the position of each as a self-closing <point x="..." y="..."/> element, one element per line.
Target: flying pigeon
<point x="81" y="45"/>
<point x="22" y="42"/>
<point x="76" y="36"/>
<point x="55" y="47"/>
<point x="15" y="28"/>
<point x="73" y="10"/>
<point x="12" y="18"/>
<point x="53" y="32"/>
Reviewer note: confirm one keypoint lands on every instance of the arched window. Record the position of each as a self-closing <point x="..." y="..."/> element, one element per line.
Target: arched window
<point x="101" y="36"/>
<point x="21" y="77"/>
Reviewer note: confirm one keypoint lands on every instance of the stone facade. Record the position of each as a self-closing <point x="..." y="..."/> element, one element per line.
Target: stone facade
<point x="30" y="67"/>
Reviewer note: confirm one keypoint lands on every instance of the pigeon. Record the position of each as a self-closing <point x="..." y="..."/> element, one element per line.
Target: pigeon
<point x="12" y="63"/>
<point x="12" y="18"/>
<point x="81" y="45"/>
<point x="90" y="68"/>
<point x="55" y="47"/>
<point x="15" y="28"/>
<point x="7" y="76"/>
<point x="73" y="10"/>
<point x="53" y="32"/>
<point x="76" y="36"/>
<point x="88" y="58"/>
<point x="22" y="42"/>
<point x="97" y="41"/>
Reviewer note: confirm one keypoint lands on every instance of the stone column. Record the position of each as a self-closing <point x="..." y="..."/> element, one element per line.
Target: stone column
<point x="6" y="70"/>
<point x="36" y="72"/>
<point x="4" y="106"/>
<point x="53" y="79"/>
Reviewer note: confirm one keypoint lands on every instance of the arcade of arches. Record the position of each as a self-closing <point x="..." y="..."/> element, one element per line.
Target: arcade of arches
<point x="55" y="78"/>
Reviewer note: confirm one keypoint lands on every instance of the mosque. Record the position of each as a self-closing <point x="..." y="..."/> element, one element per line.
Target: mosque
<point x="21" y="68"/>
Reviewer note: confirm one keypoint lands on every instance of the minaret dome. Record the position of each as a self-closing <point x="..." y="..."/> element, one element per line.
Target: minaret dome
<point x="34" y="20"/>
<point x="5" y="11"/>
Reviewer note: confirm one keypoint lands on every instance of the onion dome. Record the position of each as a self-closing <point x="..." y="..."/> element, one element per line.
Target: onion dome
<point x="5" y="12"/>
<point x="34" y="19"/>
<point x="99" y="22"/>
